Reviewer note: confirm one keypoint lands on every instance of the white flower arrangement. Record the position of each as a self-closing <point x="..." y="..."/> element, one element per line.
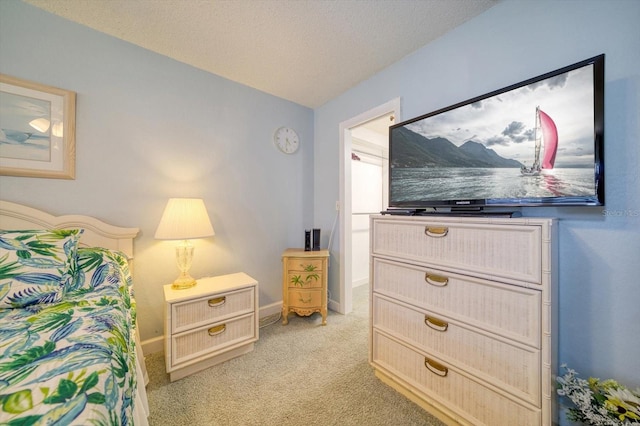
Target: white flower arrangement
<point x="597" y="402"/>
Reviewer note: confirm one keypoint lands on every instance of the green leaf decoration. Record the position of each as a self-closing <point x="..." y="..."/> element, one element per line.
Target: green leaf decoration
<point x="310" y="268"/>
<point x="25" y="421"/>
<point x="8" y="269"/>
<point x="23" y="254"/>
<point x="90" y="382"/>
<point x="89" y="259"/>
<point x="96" y="398"/>
<point x="29" y="356"/>
<point x="18" y="402"/>
<point x="65" y="413"/>
<point x="51" y="321"/>
<point x="65" y="390"/>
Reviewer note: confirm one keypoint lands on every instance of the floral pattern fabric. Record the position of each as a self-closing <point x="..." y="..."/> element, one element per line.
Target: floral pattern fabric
<point x="36" y="266"/>
<point x="73" y="362"/>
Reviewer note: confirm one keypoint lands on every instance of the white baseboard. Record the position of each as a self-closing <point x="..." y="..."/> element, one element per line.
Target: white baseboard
<point x="361" y="281"/>
<point x="271" y="309"/>
<point x="156" y="344"/>
<point x="332" y="305"/>
<point x="153" y="345"/>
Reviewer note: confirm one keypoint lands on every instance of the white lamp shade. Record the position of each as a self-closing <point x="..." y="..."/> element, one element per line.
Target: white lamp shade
<point x="184" y="219"/>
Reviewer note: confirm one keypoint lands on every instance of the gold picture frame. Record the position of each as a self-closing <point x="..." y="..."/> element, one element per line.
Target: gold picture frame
<point x="37" y="130"/>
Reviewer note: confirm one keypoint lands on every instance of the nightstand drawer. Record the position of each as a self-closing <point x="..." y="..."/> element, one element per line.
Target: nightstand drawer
<point x="305" y="280"/>
<point x="305" y="298"/>
<point x="206" y="310"/>
<point x="304" y="264"/>
<point x="212" y="337"/>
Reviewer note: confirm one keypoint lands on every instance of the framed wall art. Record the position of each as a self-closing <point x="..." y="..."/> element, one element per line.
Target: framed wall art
<point x="37" y="130"/>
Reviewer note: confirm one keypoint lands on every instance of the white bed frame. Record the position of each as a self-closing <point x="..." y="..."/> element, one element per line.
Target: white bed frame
<point x="97" y="233"/>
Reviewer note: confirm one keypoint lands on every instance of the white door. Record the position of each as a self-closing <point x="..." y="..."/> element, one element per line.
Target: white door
<point x="359" y="132"/>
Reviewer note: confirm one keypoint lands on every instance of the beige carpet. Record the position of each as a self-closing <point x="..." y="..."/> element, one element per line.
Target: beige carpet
<point x="298" y="374"/>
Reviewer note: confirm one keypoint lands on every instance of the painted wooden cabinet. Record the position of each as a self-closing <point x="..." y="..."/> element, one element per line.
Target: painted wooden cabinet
<point x="463" y="315"/>
<point x="304" y="283"/>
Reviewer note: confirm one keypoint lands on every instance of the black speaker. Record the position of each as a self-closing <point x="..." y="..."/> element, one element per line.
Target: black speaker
<point x="316" y="239"/>
<point x="307" y="240"/>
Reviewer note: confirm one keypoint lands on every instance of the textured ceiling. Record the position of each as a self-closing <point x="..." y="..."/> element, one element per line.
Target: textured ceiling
<point x="306" y="51"/>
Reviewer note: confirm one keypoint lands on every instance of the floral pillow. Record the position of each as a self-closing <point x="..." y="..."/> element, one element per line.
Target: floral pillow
<point x="99" y="267"/>
<point x="36" y="266"/>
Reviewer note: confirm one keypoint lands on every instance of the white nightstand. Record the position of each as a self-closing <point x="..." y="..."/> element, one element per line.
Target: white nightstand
<point x="210" y="323"/>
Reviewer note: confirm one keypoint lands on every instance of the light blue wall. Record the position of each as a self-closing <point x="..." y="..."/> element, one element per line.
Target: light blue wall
<point x="599" y="270"/>
<point x="150" y="128"/>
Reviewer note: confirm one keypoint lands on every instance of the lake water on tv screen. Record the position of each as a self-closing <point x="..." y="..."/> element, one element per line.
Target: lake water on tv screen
<point x="448" y="183"/>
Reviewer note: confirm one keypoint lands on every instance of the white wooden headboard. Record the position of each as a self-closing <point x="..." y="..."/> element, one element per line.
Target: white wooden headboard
<point x="96" y="232"/>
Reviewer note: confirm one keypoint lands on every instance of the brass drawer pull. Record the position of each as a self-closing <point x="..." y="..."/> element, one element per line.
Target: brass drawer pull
<point x="218" y="301"/>
<point x="437" y="280"/>
<point x="436" y="367"/>
<point x="213" y="331"/>
<point x="436" y="323"/>
<point x="436" y="231"/>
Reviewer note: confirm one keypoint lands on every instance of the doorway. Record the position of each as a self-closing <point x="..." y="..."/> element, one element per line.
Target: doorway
<point x="363" y="142"/>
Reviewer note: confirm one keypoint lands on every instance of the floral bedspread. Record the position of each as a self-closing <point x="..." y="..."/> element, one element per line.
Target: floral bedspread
<point x="72" y="362"/>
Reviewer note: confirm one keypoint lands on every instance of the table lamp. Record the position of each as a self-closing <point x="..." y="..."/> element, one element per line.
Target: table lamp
<point x="184" y="219"/>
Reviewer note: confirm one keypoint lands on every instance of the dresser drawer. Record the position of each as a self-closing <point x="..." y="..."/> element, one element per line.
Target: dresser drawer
<point x="512" y="252"/>
<point x="512" y="367"/>
<point x="212" y="337"/>
<point x="305" y="280"/>
<point x="305" y="299"/>
<point x="511" y="311"/>
<point x="477" y="403"/>
<point x="206" y="310"/>
<point x="303" y="264"/>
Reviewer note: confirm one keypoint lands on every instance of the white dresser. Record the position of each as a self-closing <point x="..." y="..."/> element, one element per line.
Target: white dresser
<point x="210" y="323"/>
<point x="463" y="315"/>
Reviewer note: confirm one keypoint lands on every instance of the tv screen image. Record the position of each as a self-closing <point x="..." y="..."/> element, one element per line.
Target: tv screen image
<point x="538" y="142"/>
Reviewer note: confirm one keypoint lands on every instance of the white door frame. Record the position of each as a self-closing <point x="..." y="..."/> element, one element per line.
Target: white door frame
<point x="392" y="107"/>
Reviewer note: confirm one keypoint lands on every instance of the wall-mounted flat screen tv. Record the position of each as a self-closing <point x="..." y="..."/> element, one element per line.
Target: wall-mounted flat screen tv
<point x="535" y="143"/>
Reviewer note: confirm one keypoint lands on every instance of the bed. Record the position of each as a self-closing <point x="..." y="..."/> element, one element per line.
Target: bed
<point x="69" y="350"/>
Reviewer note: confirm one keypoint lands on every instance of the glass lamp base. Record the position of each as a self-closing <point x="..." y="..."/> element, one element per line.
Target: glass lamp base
<point x="183" y="282"/>
<point x="184" y="256"/>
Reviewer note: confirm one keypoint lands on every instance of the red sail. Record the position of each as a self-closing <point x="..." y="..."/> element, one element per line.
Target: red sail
<point x="550" y="138"/>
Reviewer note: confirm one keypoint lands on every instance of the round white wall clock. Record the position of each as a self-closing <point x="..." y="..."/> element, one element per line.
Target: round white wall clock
<point x="287" y="140"/>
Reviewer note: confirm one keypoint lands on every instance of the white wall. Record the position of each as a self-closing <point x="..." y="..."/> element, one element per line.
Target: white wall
<point x="150" y="128"/>
<point x="366" y="195"/>
<point x="368" y="186"/>
<point x="599" y="247"/>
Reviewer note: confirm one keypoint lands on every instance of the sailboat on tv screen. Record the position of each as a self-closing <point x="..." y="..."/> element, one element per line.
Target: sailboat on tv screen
<point x="546" y="138"/>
